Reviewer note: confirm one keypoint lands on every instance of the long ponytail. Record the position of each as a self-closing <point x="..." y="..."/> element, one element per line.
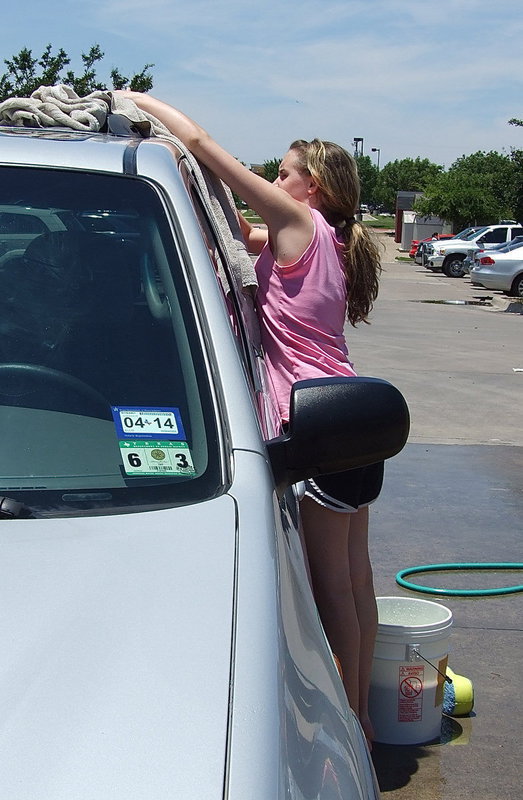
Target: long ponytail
<point x="361" y="261"/>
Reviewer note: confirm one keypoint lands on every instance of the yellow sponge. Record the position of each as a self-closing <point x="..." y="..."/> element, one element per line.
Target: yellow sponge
<point x="458" y="696"/>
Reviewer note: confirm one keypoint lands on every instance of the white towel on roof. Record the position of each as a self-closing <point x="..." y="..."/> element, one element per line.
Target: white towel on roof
<point x="59" y="105"/>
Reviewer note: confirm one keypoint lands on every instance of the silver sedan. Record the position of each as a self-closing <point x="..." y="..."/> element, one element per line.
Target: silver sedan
<point x="500" y="269"/>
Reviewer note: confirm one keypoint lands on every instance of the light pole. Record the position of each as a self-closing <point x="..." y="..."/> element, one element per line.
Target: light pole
<point x="358" y="146"/>
<point x="378" y="151"/>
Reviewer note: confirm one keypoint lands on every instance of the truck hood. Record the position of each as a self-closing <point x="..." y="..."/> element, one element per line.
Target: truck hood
<point x="116" y="645"/>
<point x="449" y="243"/>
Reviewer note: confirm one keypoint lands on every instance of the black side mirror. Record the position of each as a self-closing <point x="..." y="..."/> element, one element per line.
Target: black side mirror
<point x="338" y="424"/>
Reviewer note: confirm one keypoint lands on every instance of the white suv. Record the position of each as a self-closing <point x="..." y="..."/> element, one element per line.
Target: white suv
<point x="449" y="256"/>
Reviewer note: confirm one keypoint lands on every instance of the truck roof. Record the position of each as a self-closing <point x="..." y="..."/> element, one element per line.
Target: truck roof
<point x="64" y="148"/>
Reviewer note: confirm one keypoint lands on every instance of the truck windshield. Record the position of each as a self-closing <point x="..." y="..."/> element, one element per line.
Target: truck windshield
<point x="464" y="234"/>
<point x="475" y="232"/>
<point x="105" y="402"/>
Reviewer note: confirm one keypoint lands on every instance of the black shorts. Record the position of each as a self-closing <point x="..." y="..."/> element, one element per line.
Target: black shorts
<point x="347" y="491"/>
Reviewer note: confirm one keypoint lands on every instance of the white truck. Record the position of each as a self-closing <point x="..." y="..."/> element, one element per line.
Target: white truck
<point x="449" y="255"/>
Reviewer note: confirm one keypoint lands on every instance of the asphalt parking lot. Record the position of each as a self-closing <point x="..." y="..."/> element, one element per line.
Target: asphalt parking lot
<point x="455" y="494"/>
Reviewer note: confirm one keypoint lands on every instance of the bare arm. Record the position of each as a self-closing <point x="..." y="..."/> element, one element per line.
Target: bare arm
<point x="289" y="221"/>
<point x="255" y="238"/>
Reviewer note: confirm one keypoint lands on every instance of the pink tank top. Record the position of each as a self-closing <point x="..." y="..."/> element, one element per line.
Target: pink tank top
<point x="302" y="313"/>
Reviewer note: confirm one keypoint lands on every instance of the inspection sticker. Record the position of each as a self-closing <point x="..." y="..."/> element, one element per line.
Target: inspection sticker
<point x="156" y="458"/>
<point x="410" y="693"/>
<point x="138" y="422"/>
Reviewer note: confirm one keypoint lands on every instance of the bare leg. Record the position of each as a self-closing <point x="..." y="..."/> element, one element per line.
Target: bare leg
<point x="366" y="609"/>
<point x="344" y="594"/>
<point x="326" y="535"/>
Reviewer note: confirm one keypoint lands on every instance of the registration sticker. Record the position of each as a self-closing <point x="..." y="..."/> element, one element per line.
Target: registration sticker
<point x="148" y="423"/>
<point x="156" y="458"/>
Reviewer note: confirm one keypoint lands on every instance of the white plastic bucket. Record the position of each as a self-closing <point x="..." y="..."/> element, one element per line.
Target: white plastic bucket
<point x="410" y="660"/>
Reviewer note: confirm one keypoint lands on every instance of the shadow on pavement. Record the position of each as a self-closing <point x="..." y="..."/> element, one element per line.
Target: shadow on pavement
<point x="395" y="764"/>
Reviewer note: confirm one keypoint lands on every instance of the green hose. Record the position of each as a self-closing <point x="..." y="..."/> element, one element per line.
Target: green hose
<point x="458" y="592"/>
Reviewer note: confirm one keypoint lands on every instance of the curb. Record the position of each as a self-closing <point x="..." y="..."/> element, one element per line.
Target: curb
<point x="511" y="305"/>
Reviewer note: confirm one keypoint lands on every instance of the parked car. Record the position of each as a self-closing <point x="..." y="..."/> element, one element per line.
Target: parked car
<point x="500" y="269"/>
<point x="420" y="249"/>
<point x="416" y="242"/>
<point x="415" y="245"/>
<point x="450" y="256"/>
<point x="473" y="256"/>
<point x="430" y="250"/>
<point x="160" y="637"/>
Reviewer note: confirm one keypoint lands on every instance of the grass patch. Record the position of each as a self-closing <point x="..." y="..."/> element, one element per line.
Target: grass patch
<point x="381" y="222"/>
<point x="404" y="258"/>
<point x="251" y="216"/>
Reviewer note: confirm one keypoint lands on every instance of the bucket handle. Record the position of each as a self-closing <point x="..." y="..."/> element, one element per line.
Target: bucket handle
<point x="413" y="654"/>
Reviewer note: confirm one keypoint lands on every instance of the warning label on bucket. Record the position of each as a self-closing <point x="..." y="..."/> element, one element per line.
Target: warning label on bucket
<point x="410" y="693"/>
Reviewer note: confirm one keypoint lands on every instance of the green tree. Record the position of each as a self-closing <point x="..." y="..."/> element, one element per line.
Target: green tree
<point x="516" y="158"/>
<point x="270" y="169"/>
<point x="26" y="73"/>
<point x="369" y="174"/>
<point x="478" y="189"/>
<point x="458" y="198"/>
<point x="404" y="175"/>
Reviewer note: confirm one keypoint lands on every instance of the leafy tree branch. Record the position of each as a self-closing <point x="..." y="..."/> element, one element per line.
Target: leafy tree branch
<point x="25" y="73"/>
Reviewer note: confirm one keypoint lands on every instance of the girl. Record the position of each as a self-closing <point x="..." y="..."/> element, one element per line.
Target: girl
<point x="317" y="266"/>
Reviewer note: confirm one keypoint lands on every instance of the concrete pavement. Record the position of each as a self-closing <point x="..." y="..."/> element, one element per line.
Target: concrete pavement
<point x="455" y="494"/>
<point x="455" y="364"/>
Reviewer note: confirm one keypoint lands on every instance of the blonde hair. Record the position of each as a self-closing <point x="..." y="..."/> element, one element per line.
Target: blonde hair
<point x="336" y="174"/>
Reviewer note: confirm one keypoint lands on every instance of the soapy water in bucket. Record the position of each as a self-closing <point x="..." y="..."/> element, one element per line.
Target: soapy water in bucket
<point x="406" y="612"/>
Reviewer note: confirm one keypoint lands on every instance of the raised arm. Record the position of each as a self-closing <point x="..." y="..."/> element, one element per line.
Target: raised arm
<point x="289" y="222"/>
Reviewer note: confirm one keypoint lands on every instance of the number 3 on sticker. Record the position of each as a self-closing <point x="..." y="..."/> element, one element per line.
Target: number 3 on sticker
<point x="135" y="460"/>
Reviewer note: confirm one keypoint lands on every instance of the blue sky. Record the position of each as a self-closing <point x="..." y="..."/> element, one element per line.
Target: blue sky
<point x="432" y="79"/>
